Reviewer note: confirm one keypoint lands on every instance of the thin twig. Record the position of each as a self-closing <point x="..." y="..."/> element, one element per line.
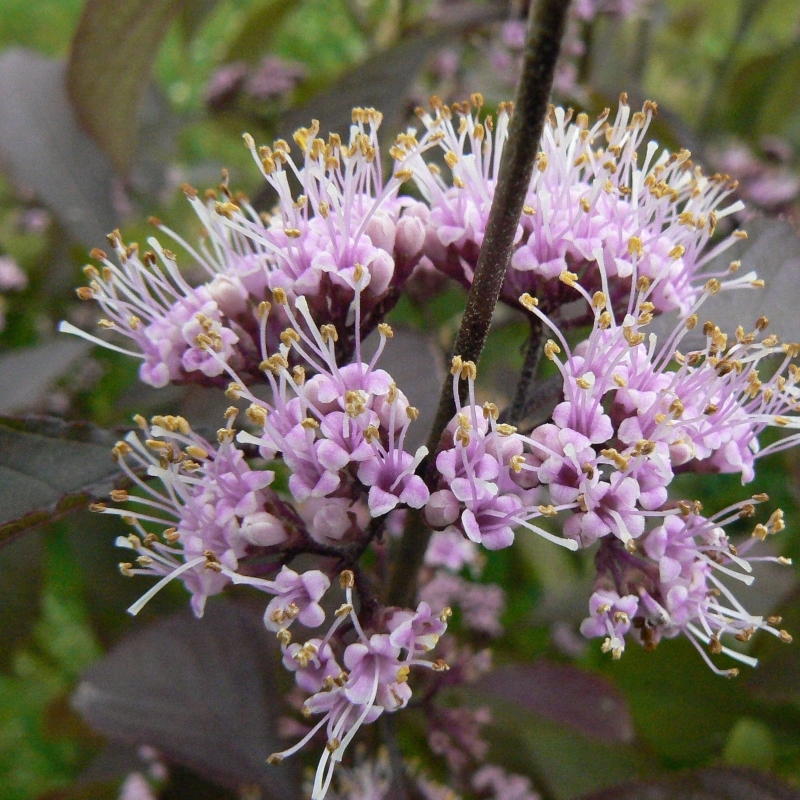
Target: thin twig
<point x="546" y="24"/>
<point x="403" y="786"/>
<point x="533" y="354"/>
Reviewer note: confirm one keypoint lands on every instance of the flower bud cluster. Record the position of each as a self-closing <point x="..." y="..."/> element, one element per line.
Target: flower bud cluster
<point x="341" y="432"/>
<point x="671" y="585"/>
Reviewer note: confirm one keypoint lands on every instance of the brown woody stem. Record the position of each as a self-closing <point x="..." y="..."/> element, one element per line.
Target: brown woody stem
<point x="546" y="24"/>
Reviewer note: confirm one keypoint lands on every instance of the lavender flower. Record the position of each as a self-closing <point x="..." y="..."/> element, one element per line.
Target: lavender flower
<point x="375" y="681"/>
<point x="674" y="585"/>
<point x="348" y="226"/>
<point x="342" y="431"/>
<point x="645" y="213"/>
<point x="173" y="326"/>
<point x="632" y="415"/>
<point x="274" y="78"/>
<point x="212" y="506"/>
<point x="494" y="782"/>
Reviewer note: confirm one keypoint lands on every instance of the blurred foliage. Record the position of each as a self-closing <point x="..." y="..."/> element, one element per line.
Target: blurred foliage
<point x="719" y="69"/>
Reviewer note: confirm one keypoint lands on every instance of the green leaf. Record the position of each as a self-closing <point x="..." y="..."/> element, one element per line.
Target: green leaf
<point x="780" y="102"/>
<point x="193" y="16"/>
<point x="761" y="96"/>
<point x="750" y="744"/>
<point x="48" y="468"/>
<point x="112" y="54"/>
<point x="776" y="679"/>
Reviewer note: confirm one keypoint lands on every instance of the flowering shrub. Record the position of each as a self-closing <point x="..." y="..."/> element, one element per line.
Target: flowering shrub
<point x="612" y="226"/>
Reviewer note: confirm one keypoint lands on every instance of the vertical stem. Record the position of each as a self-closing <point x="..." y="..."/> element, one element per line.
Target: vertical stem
<point x="533" y="354"/>
<point x="403" y="787"/>
<point x="546" y="24"/>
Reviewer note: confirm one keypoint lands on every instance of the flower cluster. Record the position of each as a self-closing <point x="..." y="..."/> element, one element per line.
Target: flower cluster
<point x="613" y="228"/>
<point x="594" y="195"/>
<point x="374" y="681"/>
<point x="213" y="505"/>
<point x="635" y="411"/>
<point x="341" y="432"/>
<point x="348" y="231"/>
<point x="672" y="585"/>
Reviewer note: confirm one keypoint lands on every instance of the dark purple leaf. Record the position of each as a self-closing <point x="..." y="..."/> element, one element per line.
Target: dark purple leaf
<point x="112" y="55"/>
<point x="416" y="365"/>
<point x="49" y="467"/>
<point x="382" y="82"/>
<point x="719" y="783"/>
<point x="201" y="691"/>
<point x="29" y="372"/>
<point x="43" y="149"/>
<point x="566" y="695"/>
<point x="772" y="250"/>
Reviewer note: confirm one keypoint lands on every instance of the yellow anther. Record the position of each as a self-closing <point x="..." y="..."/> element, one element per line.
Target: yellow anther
<point x="635" y="247"/>
<point x="569" y="278"/>
<point x="329" y="333"/>
<point x="632" y="338"/>
<point x="289" y="337"/>
<point x="197" y="452"/>
<point x="257" y="415"/>
<point x="490" y="410"/>
<point x="677" y="251"/>
<point x="529" y="302"/>
<point x="551" y="349"/>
